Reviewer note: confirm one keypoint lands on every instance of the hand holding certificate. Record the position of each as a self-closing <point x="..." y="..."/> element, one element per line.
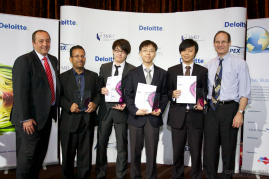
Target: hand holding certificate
<point x="145" y="99"/>
<point x="113" y="86"/>
<point x="187" y="86"/>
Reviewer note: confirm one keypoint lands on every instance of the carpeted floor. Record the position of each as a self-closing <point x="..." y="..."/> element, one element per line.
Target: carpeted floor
<point x="164" y="172"/>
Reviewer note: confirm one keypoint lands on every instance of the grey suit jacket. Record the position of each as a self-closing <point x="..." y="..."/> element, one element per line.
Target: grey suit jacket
<point x="105" y="107"/>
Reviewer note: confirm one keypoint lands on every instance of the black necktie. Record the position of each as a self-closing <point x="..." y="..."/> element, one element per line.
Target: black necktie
<point x="117" y="70"/>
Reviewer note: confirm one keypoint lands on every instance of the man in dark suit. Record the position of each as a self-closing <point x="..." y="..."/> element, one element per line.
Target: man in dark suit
<point x="113" y="113"/>
<point x="36" y="96"/>
<point x="143" y="125"/>
<point x="183" y="120"/>
<point x="77" y="126"/>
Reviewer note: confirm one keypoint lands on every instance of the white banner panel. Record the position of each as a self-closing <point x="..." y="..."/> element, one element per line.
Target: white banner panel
<point x="97" y="30"/>
<point x="16" y="40"/>
<point x="256" y="123"/>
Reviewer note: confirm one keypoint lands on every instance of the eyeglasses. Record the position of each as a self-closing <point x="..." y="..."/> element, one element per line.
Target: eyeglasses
<point x="77" y="56"/>
<point x="222" y="42"/>
<point x="120" y="51"/>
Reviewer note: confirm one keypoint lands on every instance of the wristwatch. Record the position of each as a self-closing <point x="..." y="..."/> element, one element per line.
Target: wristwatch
<point x="241" y="111"/>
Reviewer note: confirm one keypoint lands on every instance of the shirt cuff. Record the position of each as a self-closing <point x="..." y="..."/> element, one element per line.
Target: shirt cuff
<point x="25" y="120"/>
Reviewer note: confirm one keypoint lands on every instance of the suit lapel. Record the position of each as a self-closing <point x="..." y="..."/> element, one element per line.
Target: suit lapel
<point x="180" y="69"/>
<point x="195" y="70"/>
<point x="141" y="74"/>
<point x="155" y="75"/>
<point x="125" y="70"/>
<point x="73" y="81"/>
<point x="40" y="67"/>
<point x="87" y="77"/>
<point x="109" y="69"/>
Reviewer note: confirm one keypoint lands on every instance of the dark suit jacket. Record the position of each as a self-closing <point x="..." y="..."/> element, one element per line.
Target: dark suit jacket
<point x="137" y="76"/>
<point x="105" y="72"/>
<point x="32" y="95"/>
<point x="69" y="122"/>
<point x="177" y="111"/>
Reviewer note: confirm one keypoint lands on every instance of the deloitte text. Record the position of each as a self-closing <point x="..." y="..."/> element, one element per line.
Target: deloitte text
<point x="104" y="59"/>
<point x="152" y="28"/>
<point x="15" y="26"/>
<point x="68" y="22"/>
<point x="196" y="60"/>
<point x="235" y="24"/>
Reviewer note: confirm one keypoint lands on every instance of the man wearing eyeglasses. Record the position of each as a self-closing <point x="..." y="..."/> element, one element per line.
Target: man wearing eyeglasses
<point x="228" y="94"/>
<point x="113" y="113"/>
<point x="76" y="125"/>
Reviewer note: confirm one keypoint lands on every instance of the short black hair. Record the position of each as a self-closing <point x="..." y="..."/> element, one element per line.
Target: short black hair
<point x="33" y="35"/>
<point x="222" y="31"/>
<point x="187" y="43"/>
<point x="147" y="43"/>
<point x="123" y="44"/>
<point x="76" y="47"/>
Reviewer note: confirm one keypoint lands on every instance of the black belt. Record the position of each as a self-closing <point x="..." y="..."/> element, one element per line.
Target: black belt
<point x="223" y="102"/>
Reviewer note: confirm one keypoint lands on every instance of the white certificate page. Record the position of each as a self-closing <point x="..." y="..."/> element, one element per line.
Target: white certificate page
<point x="144" y="97"/>
<point x="187" y="85"/>
<point x="113" y="84"/>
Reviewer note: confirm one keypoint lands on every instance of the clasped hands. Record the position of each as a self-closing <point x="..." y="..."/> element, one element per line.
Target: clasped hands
<point x="143" y="112"/>
<point x="91" y="107"/>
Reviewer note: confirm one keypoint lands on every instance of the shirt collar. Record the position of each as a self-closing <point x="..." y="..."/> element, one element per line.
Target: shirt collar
<point x="225" y="57"/>
<point x="41" y="56"/>
<point x="151" y="68"/>
<point x="121" y="65"/>
<point x="184" y="65"/>
<point x="75" y="73"/>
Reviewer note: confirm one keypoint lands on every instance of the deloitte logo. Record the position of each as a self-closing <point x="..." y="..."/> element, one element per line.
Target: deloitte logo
<point x="196" y="60"/>
<point x="68" y="22"/>
<point x="152" y="28"/>
<point x="104" y="59"/>
<point x="235" y="24"/>
<point x="11" y="26"/>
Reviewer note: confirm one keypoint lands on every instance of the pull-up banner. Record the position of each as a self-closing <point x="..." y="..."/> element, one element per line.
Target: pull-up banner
<point x="256" y="123"/>
<point x="16" y="40"/>
<point x="96" y="30"/>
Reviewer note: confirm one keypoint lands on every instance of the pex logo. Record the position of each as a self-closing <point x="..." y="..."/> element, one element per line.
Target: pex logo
<point x="152" y="28"/>
<point x="264" y="160"/>
<point x="237" y="50"/>
<point x="68" y="22"/>
<point x="11" y="26"/>
<point x="66" y="47"/>
<point x="235" y="24"/>
<point x="196" y="60"/>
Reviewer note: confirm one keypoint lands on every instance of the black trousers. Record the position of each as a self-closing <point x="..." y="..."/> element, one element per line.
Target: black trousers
<point x="31" y="151"/>
<point x="104" y="131"/>
<point x="137" y="136"/>
<point x="218" y="131"/>
<point x="80" y="143"/>
<point x="195" y="138"/>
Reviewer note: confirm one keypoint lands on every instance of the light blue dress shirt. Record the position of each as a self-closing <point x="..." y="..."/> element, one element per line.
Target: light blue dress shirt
<point x="235" y="81"/>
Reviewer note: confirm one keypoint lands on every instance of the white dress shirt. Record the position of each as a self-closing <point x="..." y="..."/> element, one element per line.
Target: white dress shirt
<point x="120" y="69"/>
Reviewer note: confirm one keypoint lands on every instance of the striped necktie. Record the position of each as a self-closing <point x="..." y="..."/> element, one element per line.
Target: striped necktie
<point x="50" y="79"/>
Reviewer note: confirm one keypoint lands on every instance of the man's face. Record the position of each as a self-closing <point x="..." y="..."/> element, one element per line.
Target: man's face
<point x="221" y="44"/>
<point x="42" y="43"/>
<point x="147" y="54"/>
<point x="188" y="55"/>
<point x="78" y="58"/>
<point x="119" y="55"/>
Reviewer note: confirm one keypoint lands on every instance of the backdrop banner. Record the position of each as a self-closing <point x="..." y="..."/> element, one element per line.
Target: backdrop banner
<point x="96" y="30"/>
<point x="16" y="40"/>
<point x="256" y="123"/>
